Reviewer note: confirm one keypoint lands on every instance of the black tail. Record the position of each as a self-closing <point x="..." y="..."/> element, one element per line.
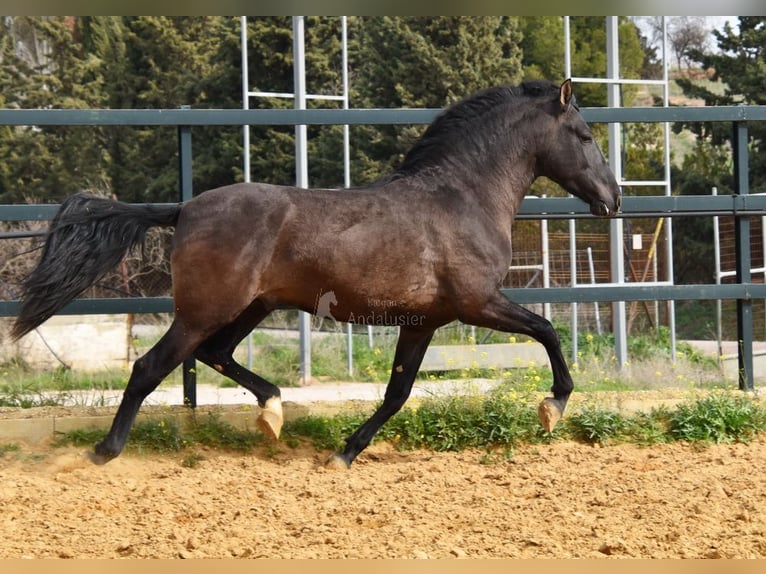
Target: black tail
<point x="88" y="237"/>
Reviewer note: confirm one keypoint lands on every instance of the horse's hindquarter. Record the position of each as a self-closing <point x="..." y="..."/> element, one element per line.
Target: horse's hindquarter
<point x="223" y="242"/>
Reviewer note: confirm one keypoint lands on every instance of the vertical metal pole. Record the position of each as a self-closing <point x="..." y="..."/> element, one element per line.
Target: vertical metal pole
<point x="718" y="310"/>
<point x="671" y="305"/>
<point x="246" y="140"/>
<point x="572" y="223"/>
<point x="617" y="262"/>
<point x="763" y="262"/>
<point x="189" y="375"/>
<point x="245" y="98"/>
<point x="346" y="168"/>
<point x="742" y="251"/>
<point x="545" y="249"/>
<point x="301" y="174"/>
<point x="591" y="268"/>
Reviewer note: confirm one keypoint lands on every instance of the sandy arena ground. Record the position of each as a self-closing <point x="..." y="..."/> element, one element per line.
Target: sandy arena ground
<point x="561" y="500"/>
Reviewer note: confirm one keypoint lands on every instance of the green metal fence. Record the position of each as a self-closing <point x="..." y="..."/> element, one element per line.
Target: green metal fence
<point x="741" y="205"/>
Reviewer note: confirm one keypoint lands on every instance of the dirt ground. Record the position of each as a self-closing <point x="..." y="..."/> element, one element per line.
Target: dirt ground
<point x="558" y="500"/>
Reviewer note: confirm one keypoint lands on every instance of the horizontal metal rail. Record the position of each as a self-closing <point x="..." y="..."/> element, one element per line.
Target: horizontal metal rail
<point x="542" y="208"/>
<point x="357" y="116"/>
<point x="580" y="294"/>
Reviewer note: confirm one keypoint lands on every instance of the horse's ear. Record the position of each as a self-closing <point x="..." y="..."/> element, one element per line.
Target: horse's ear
<point x="565" y="94"/>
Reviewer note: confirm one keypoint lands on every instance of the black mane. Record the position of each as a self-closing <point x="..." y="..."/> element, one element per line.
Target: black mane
<point x="458" y="122"/>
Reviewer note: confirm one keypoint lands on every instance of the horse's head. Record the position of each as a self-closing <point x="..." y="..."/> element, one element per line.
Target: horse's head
<point x="571" y="157"/>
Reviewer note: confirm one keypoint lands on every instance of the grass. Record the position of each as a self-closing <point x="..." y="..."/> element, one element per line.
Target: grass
<point x="495" y="424"/>
<point x="7" y="448"/>
<point x="167" y="435"/>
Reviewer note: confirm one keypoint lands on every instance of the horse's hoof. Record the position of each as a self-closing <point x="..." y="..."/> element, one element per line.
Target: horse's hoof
<point x="336" y="462"/>
<point x="271" y="419"/>
<point x="99" y="458"/>
<point x="549" y="413"/>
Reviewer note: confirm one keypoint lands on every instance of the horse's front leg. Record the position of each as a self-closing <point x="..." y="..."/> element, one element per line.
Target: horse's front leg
<point x="501" y="314"/>
<point x="410" y="349"/>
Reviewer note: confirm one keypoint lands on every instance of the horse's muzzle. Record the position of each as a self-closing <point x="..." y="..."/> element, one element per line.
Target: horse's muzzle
<point x="601" y="209"/>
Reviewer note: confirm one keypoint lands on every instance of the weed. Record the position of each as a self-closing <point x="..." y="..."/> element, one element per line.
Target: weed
<point x="159" y="435"/>
<point x="327" y="433"/>
<point x="719" y="417"/>
<point x="497" y="456"/>
<point x="156" y="435"/>
<point x="212" y="431"/>
<point x="19" y="398"/>
<point x="496" y="423"/>
<point x="192" y="460"/>
<point x="8" y="447"/>
<point x="596" y="425"/>
<point x="647" y="429"/>
<point x="165" y="435"/>
<point x="80" y="437"/>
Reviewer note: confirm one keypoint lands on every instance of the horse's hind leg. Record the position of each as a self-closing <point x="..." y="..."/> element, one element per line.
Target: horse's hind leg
<point x="410" y="349"/>
<point x="503" y="315"/>
<point x="217" y="351"/>
<point x="148" y="372"/>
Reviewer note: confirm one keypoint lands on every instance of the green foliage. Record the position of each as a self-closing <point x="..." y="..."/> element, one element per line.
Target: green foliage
<point x="496" y="423"/>
<point x="594" y="424"/>
<point x="80" y="437"/>
<point x="24" y="387"/>
<point x="738" y="63"/>
<point x="324" y="432"/>
<point x="49" y="161"/>
<point x="718" y="418"/>
<point x="165" y="434"/>
<point x="648" y="428"/>
<point x="543" y="52"/>
<point x="423" y="62"/>
<point x="6" y="448"/>
<point x="156" y="435"/>
<point x="212" y="431"/>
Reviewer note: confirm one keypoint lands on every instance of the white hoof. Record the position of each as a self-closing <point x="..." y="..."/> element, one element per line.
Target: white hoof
<point x="549" y="413"/>
<point x="270" y="420"/>
<point x="336" y="462"/>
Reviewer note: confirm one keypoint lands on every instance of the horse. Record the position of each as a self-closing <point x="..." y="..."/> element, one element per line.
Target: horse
<point x="426" y="245"/>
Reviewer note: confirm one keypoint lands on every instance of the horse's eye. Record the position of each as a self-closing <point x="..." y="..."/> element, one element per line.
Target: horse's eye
<point x="586" y="138"/>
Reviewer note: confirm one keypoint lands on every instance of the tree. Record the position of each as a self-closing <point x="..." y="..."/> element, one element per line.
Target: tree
<point x="687" y="34"/>
<point x="151" y="62"/>
<point x="740" y="77"/>
<point x="738" y="65"/>
<point x="44" y="66"/>
<point x="424" y="62"/>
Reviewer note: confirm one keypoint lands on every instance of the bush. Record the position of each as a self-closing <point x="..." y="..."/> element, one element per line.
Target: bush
<point x="596" y="425"/>
<point x="718" y="418"/>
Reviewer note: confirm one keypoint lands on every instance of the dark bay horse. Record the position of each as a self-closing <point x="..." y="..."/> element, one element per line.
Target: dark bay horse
<point x="425" y="246"/>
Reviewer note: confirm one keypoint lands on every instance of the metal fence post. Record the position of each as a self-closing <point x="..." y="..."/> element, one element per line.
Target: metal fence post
<point x="185" y="189"/>
<point x="742" y="251"/>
